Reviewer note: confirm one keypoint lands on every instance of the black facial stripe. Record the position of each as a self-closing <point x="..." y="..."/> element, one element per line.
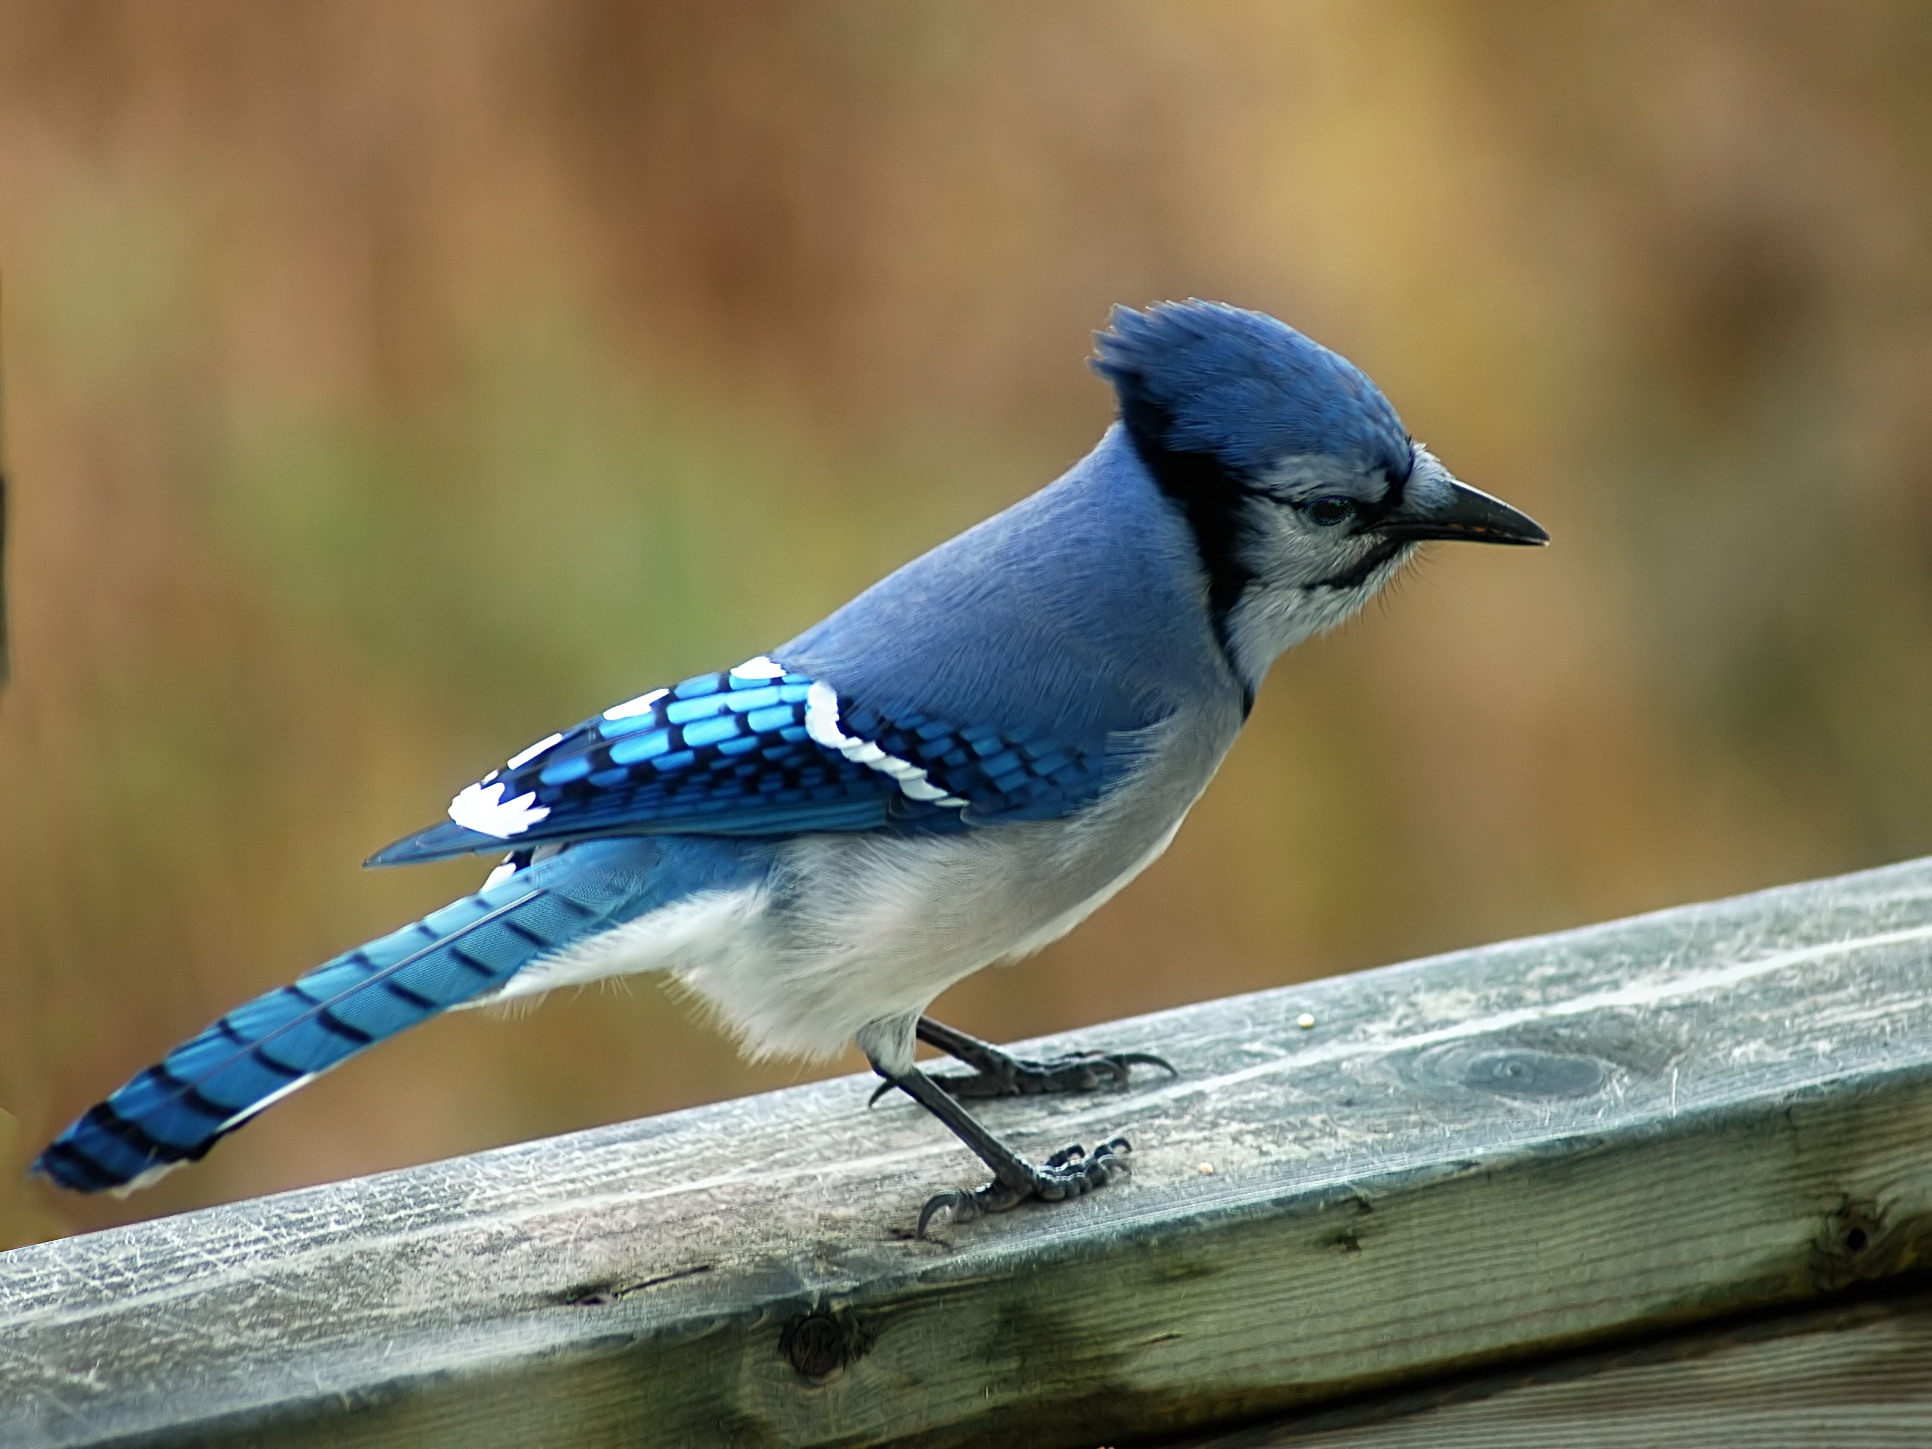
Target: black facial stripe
<point x="1356" y="574"/>
<point x="1209" y="498"/>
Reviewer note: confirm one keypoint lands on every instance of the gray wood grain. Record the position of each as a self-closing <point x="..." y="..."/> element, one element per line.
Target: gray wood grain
<point x="1499" y="1152"/>
<point x="1851" y="1377"/>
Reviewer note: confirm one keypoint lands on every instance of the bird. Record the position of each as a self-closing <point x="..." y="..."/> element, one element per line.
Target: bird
<point x="955" y="768"/>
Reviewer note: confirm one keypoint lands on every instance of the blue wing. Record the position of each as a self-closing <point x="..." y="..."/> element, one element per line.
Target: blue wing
<point x="759" y="750"/>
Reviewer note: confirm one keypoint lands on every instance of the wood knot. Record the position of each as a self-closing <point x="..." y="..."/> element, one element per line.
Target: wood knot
<point x="1858" y="1244"/>
<point x="820" y="1343"/>
<point x="1525" y="1072"/>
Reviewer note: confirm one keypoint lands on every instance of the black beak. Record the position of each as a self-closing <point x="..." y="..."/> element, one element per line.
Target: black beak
<point x="1448" y="509"/>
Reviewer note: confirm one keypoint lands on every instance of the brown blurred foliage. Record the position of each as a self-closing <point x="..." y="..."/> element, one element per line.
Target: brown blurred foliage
<point x="389" y="384"/>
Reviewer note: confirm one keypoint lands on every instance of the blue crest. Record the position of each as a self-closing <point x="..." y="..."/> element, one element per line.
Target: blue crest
<point x="1244" y="389"/>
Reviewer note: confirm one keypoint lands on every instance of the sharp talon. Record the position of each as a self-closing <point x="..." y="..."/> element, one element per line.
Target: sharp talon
<point x="1147" y="1059"/>
<point x="956" y="1202"/>
<point x="878" y="1092"/>
<point x="1111" y="1157"/>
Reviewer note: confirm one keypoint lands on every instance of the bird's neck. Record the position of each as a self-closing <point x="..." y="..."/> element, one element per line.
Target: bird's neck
<point x="1258" y="604"/>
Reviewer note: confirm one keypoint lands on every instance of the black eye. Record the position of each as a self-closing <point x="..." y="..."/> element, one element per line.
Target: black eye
<point x="1328" y="511"/>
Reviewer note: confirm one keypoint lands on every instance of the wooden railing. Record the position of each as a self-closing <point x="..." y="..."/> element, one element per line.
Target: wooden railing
<point x="1637" y="1181"/>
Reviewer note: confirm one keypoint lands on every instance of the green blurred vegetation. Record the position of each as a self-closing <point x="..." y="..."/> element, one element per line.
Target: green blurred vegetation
<point x="389" y="385"/>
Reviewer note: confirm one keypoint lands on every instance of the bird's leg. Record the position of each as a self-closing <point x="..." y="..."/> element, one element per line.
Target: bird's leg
<point x="997" y="1074"/>
<point x="1070" y="1172"/>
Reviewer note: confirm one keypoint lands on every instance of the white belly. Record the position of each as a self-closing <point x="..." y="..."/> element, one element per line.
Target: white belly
<point x="852" y="929"/>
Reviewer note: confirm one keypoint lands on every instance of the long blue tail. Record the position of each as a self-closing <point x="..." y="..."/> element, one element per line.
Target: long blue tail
<point x="205" y="1088"/>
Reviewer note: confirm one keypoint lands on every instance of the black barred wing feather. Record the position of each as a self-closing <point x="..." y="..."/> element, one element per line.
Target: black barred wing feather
<point x="989" y="773"/>
<point x="758" y="750"/>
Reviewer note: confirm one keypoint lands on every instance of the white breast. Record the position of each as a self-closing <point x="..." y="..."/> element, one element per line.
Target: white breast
<point x="856" y="928"/>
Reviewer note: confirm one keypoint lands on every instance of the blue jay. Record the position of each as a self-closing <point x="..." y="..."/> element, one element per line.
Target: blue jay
<point x="954" y="769"/>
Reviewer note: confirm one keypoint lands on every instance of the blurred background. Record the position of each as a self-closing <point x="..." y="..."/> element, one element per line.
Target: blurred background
<point x="389" y="385"/>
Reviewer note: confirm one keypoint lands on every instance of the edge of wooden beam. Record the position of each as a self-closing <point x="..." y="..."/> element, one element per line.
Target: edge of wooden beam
<point x="1508" y="1151"/>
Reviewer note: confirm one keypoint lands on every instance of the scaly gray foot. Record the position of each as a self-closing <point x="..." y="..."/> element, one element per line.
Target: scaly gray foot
<point x="1069" y="1173"/>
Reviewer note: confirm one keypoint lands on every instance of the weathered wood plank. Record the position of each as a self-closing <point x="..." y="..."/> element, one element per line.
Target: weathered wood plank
<point x="1855" y="1376"/>
<point x="1466" y="1159"/>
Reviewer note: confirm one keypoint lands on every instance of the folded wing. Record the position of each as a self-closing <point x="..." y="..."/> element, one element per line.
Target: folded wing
<point x="759" y="750"/>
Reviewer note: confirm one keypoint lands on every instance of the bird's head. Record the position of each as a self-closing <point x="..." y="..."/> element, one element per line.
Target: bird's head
<point x="1305" y="493"/>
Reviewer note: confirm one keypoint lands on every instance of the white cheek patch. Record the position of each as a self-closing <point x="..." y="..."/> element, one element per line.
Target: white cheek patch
<point x="486" y="811"/>
<point x="822" y="724"/>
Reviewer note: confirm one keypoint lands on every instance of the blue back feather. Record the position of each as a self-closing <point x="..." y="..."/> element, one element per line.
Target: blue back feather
<point x="1013" y="664"/>
<point x="1075" y="615"/>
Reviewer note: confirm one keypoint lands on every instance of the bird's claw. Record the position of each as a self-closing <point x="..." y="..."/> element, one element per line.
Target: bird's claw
<point x="1069" y="1173"/>
<point x="1076" y="1072"/>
